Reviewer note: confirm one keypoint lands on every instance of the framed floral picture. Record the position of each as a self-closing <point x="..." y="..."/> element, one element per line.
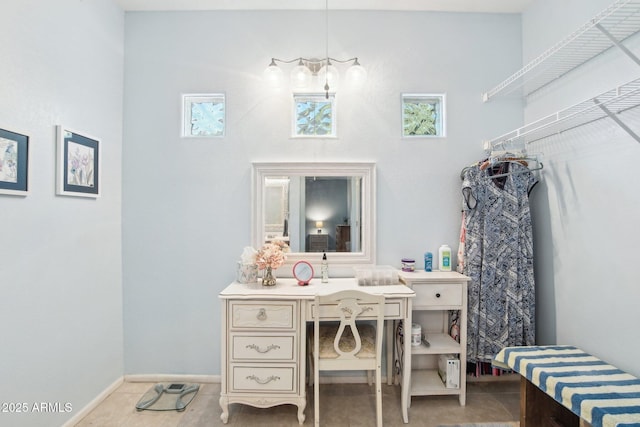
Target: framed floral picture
<point x="14" y="163"/>
<point x="78" y="168"/>
<point x="314" y="115"/>
<point x="203" y="115"/>
<point x="423" y="115"/>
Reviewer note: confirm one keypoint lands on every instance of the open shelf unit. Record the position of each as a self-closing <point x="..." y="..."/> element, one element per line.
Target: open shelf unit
<point x="438" y="344"/>
<point x="425" y="382"/>
<point x="438" y="295"/>
<point x="609" y="28"/>
<point x="609" y="104"/>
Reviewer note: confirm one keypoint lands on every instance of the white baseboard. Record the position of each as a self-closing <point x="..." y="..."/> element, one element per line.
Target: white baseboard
<point x="171" y="378"/>
<point x="94" y="403"/>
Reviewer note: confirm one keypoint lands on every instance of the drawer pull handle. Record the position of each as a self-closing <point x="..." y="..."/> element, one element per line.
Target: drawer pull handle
<point x="263" y="382"/>
<point x="262" y="314"/>
<point x="438" y="295"/>
<point x="267" y="350"/>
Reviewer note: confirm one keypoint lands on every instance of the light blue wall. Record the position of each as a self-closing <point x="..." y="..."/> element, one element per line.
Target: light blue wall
<point x="586" y="209"/>
<point x="60" y="257"/>
<point x="186" y="202"/>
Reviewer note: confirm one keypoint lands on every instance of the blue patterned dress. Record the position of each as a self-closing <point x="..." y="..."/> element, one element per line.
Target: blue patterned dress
<point x="498" y="257"/>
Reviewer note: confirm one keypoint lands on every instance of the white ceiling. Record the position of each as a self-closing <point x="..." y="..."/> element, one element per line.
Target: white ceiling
<point x="497" y="6"/>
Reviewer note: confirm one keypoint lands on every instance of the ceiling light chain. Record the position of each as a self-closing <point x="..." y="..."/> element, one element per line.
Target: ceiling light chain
<point x="328" y="64"/>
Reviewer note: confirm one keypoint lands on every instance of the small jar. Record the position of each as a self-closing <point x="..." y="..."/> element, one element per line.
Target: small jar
<point x="408" y="264"/>
<point x="416" y="334"/>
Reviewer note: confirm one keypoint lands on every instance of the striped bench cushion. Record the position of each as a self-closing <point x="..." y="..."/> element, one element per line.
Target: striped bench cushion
<point x="597" y="392"/>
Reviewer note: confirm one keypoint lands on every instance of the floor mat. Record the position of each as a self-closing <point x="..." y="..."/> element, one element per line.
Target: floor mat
<point x="168" y="397"/>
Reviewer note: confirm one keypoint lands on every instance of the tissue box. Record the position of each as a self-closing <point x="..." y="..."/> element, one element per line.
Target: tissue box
<point x="247" y="273"/>
<point x="449" y="370"/>
<point x="378" y="275"/>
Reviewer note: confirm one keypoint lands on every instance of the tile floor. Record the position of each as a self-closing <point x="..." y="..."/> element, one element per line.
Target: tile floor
<point x="348" y="405"/>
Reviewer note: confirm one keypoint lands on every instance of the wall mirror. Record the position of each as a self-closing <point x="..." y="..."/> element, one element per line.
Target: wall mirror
<point x="316" y="208"/>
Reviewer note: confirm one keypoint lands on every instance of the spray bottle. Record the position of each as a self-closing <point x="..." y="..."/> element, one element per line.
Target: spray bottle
<point x="324" y="269"/>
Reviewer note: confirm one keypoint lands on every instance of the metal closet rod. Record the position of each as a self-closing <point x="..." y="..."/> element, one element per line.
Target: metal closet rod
<point x="625" y="97"/>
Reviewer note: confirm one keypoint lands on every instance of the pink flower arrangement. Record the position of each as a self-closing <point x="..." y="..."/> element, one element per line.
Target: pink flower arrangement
<point x="272" y="254"/>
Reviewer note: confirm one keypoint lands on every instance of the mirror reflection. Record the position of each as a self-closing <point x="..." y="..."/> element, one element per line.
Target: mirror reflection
<point x="316" y="208"/>
<point x="314" y="213"/>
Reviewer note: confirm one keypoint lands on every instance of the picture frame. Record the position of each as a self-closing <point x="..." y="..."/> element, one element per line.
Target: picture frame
<point x="423" y="115"/>
<point x="314" y="115"/>
<point x="14" y="163"/>
<point x="78" y="163"/>
<point x="203" y="115"/>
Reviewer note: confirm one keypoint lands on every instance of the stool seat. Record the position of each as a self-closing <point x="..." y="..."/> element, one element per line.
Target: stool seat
<point x="347" y="341"/>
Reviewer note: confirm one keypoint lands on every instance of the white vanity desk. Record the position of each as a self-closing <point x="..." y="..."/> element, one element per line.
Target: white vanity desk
<point x="263" y="355"/>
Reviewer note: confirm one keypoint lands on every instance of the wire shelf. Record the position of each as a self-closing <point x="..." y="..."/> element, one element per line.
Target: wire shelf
<point x="611" y="27"/>
<point x="608" y="104"/>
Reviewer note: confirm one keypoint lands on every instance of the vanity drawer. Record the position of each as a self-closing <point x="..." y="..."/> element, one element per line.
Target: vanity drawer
<point x="276" y="315"/>
<point x="434" y="294"/>
<point x="276" y="378"/>
<point x="267" y="347"/>
<point x="393" y="309"/>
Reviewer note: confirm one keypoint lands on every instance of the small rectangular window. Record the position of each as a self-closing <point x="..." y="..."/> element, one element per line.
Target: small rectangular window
<point x="423" y="115"/>
<point x="203" y="115"/>
<point x="314" y="116"/>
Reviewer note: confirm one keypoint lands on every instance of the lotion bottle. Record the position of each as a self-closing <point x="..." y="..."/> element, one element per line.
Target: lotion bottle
<point x="444" y="258"/>
<point x="324" y="269"/>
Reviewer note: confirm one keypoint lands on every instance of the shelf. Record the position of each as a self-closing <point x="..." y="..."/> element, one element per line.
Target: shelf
<point x="610" y="28"/>
<point x="426" y="382"/>
<point x="609" y="104"/>
<point x="438" y="344"/>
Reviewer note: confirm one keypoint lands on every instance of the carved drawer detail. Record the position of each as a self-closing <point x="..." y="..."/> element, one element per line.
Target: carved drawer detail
<point x="255" y="316"/>
<point x="247" y="378"/>
<point x="251" y="347"/>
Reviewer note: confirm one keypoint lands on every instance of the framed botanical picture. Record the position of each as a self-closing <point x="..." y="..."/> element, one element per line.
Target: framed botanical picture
<point x="314" y="115"/>
<point x="78" y="168"/>
<point x="14" y="163"/>
<point x="423" y="115"/>
<point x="203" y="115"/>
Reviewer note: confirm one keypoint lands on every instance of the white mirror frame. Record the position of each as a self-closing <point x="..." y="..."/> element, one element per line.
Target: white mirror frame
<point x="365" y="170"/>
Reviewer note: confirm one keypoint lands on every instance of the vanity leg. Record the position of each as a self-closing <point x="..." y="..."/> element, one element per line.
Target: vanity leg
<point x="301" y="406"/>
<point x="224" y="405"/>
<point x="389" y="344"/>
<point x="406" y="365"/>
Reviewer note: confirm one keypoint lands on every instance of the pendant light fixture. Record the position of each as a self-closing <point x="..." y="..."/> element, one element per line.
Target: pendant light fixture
<point x="322" y="70"/>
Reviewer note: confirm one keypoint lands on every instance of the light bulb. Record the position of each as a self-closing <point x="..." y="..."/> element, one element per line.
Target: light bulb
<point x="301" y="76"/>
<point x="272" y="75"/>
<point x="356" y="75"/>
<point x="329" y="74"/>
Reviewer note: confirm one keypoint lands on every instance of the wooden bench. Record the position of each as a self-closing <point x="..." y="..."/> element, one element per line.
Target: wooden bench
<point x="562" y="386"/>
